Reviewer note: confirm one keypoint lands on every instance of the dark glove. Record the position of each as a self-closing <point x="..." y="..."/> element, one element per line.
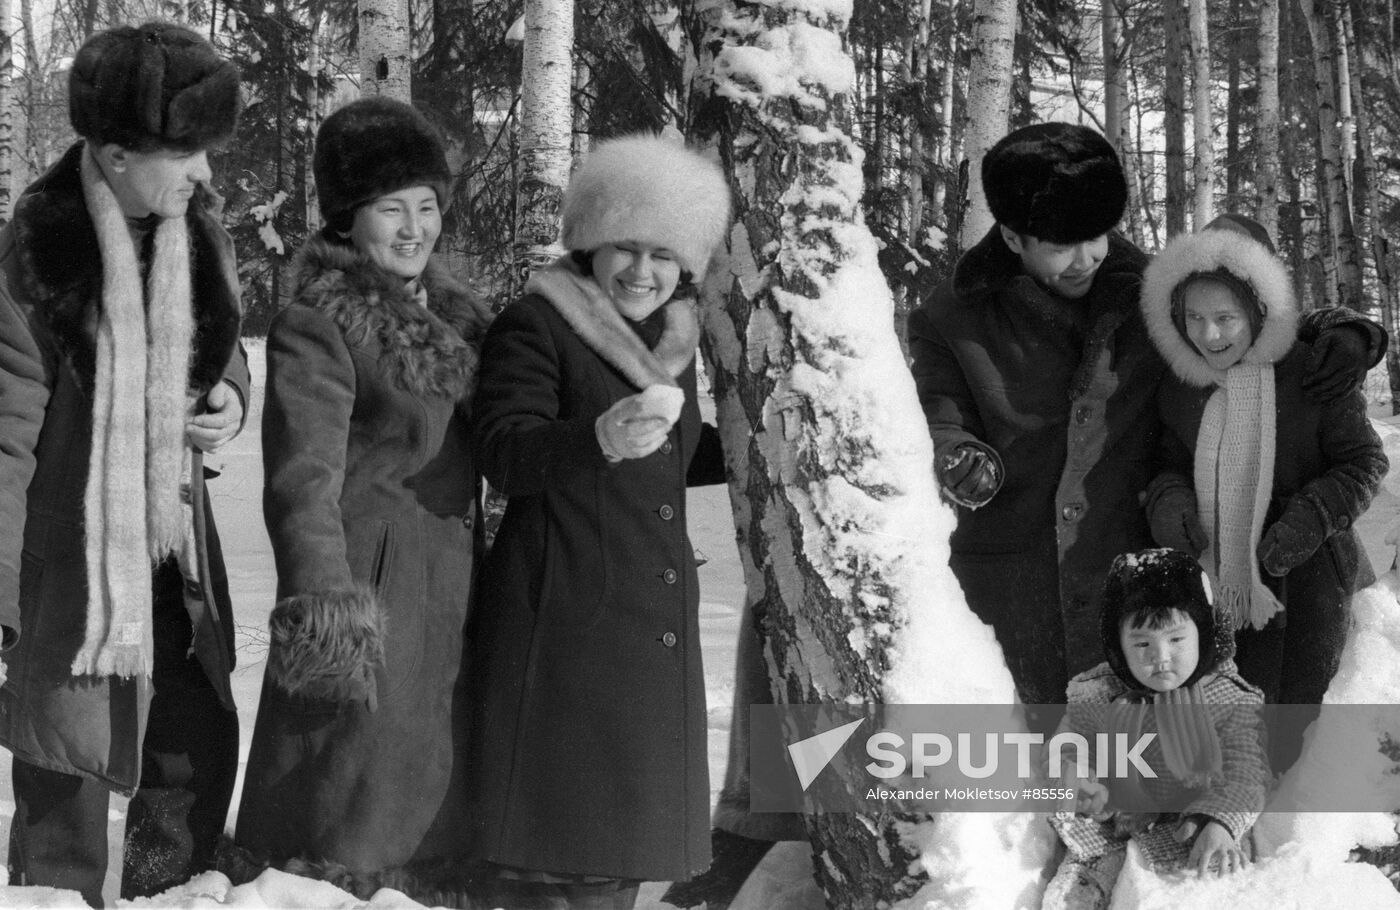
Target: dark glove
<point x="970" y="475"/>
<point x="1289" y="541"/>
<point x="1172" y="515"/>
<point x="1337" y="365"/>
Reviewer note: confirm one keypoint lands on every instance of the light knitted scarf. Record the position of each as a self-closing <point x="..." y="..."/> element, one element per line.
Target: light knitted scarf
<point x="1234" y="472"/>
<point x="132" y="507"/>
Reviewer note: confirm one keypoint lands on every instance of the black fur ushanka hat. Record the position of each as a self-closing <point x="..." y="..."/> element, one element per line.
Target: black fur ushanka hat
<point x="374" y="146"/>
<point x="1155" y="581"/>
<point x="156" y="85"/>
<point x="1057" y="182"/>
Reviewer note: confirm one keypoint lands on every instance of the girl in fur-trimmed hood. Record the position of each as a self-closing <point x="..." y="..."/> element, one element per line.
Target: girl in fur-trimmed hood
<point x="589" y="707"/>
<point x="357" y="768"/>
<point x="1261" y="483"/>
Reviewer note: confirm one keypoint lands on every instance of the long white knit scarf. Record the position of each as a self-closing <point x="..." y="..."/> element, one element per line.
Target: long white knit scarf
<point x="1234" y="479"/>
<point x="132" y="506"/>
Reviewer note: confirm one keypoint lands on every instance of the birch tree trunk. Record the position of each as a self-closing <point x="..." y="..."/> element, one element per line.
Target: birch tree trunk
<point x="385" y="49"/>
<point x="546" y="131"/>
<point x="1344" y="262"/>
<point x="918" y="75"/>
<point x="1118" y="111"/>
<point x="1266" y="176"/>
<point x="842" y="536"/>
<point x="7" y="108"/>
<point x="1177" y="54"/>
<point x="988" y="104"/>
<point x="1202" y="128"/>
<point x="314" y="107"/>
<point x="947" y="141"/>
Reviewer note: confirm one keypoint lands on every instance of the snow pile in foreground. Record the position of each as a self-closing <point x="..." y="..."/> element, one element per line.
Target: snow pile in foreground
<point x="272" y="889"/>
<point x="1296" y="878"/>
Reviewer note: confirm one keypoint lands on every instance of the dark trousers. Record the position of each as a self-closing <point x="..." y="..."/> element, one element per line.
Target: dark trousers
<point x="189" y="764"/>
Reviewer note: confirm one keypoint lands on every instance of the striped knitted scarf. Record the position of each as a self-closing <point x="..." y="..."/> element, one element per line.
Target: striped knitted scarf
<point x="1234" y="478"/>
<point x="133" y="510"/>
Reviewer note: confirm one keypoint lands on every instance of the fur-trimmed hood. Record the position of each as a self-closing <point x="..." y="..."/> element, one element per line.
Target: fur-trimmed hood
<point x="60" y="272"/>
<point x="1244" y="259"/>
<point x="429" y="351"/>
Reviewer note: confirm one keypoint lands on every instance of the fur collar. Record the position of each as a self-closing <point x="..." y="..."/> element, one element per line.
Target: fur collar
<point x="59" y="269"/>
<point x="1244" y="258"/>
<point x="987" y="268"/>
<point x="429" y="351"/>
<point x="603" y="329"/>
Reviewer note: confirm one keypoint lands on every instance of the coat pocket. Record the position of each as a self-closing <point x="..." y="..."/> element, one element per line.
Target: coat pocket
<point x="383" y="563"/>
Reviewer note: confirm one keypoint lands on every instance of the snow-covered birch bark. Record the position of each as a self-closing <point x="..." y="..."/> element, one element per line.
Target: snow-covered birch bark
<point x="385" y="55"/>
<point x="988" y="104"/>
<point x="546" y="130"/>
<point x="842" y="535"/>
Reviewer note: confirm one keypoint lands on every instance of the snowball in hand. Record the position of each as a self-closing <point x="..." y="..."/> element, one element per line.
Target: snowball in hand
<point x="662" y="401"/>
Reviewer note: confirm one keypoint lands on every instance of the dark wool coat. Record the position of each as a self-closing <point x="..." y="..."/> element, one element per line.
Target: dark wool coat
<point x="1328" y="461"/>
<point x="371" y="505"/>
<point x="1063" y="391"/>
<point x="49" y="305"/>
<point x="589" y="697"/>
<point x="1330" y="456"/>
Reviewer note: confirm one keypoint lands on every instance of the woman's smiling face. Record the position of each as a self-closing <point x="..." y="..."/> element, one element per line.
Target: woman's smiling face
<point x="398" y="230"/>
<point x="1216" y="323"/>
<point x="636" y="276"/>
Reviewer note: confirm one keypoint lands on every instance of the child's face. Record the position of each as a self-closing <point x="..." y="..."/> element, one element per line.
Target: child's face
<point x="1216" y="323"/>
<point x="1161" y="659"/>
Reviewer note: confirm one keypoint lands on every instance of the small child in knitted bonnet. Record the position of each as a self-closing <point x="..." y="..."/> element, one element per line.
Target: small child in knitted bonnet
<point x="1168" y="676"/>
<point x="1261" y="481"/>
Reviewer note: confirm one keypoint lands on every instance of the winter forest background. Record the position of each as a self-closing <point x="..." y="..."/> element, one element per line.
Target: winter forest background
<point x="851" y="132"/>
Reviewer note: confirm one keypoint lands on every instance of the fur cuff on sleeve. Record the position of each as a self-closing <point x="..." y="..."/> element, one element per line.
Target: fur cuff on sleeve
<point x="327" y="645"/>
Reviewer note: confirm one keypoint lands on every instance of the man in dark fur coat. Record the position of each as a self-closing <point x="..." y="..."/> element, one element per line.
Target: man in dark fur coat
<point x="119" y="367"/>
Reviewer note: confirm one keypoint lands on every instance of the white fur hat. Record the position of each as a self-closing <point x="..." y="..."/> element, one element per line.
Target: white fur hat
<point x="646" y="189"/>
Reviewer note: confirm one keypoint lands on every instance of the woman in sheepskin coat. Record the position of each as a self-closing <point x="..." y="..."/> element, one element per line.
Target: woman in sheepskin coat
<point x="589" y="739"/>
<point x="1300" y="557"/>
<point x="356" y="769"/>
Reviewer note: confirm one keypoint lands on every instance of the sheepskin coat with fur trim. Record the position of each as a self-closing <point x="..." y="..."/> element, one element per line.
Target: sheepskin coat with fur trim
<point x="370" y="501"/>
<point x="1063" y="391"/>
<point x="49" y="300"/>
<point x="1328" y="461"/>
<point x="589" y="738"/>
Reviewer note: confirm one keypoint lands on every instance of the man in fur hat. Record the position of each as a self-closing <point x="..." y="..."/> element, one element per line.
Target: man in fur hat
<point x="119" y="366"/>
<point x="1038" y="382"/>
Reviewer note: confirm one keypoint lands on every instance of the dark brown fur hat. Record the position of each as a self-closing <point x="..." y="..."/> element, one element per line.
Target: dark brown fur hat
<point x="155" y="85"/>
<point x="371" y="147"/>
<point x="1057" y="182"/>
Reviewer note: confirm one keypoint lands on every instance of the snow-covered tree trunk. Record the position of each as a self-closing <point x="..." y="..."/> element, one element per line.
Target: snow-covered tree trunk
<point x="1203" y="133"/>
<point x="842" y="535"/>
<point x="385" y="49"/>
<point x="546" y="130"/>
<point x="1267" y="124"/>
<point x="1343" y="263"/>
<point x="988" y="104"/>
<point x="1178" y="49"/>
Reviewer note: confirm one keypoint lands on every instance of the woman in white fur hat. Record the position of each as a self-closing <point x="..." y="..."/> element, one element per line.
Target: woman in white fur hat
<point x="1261" y="482"/>
<point x="589" y="739"/>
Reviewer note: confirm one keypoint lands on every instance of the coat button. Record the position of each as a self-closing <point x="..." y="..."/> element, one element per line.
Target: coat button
<point x="1071" y="511"/>
<point x="193" y="589"/>
<point x="467" y="521"/>
<point x="669" y="639"/>
<point x="666" y="447"/>
<point x="666" y="513"/>
<point x="1082" y="415"/>
<point x="669" y="576"/>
